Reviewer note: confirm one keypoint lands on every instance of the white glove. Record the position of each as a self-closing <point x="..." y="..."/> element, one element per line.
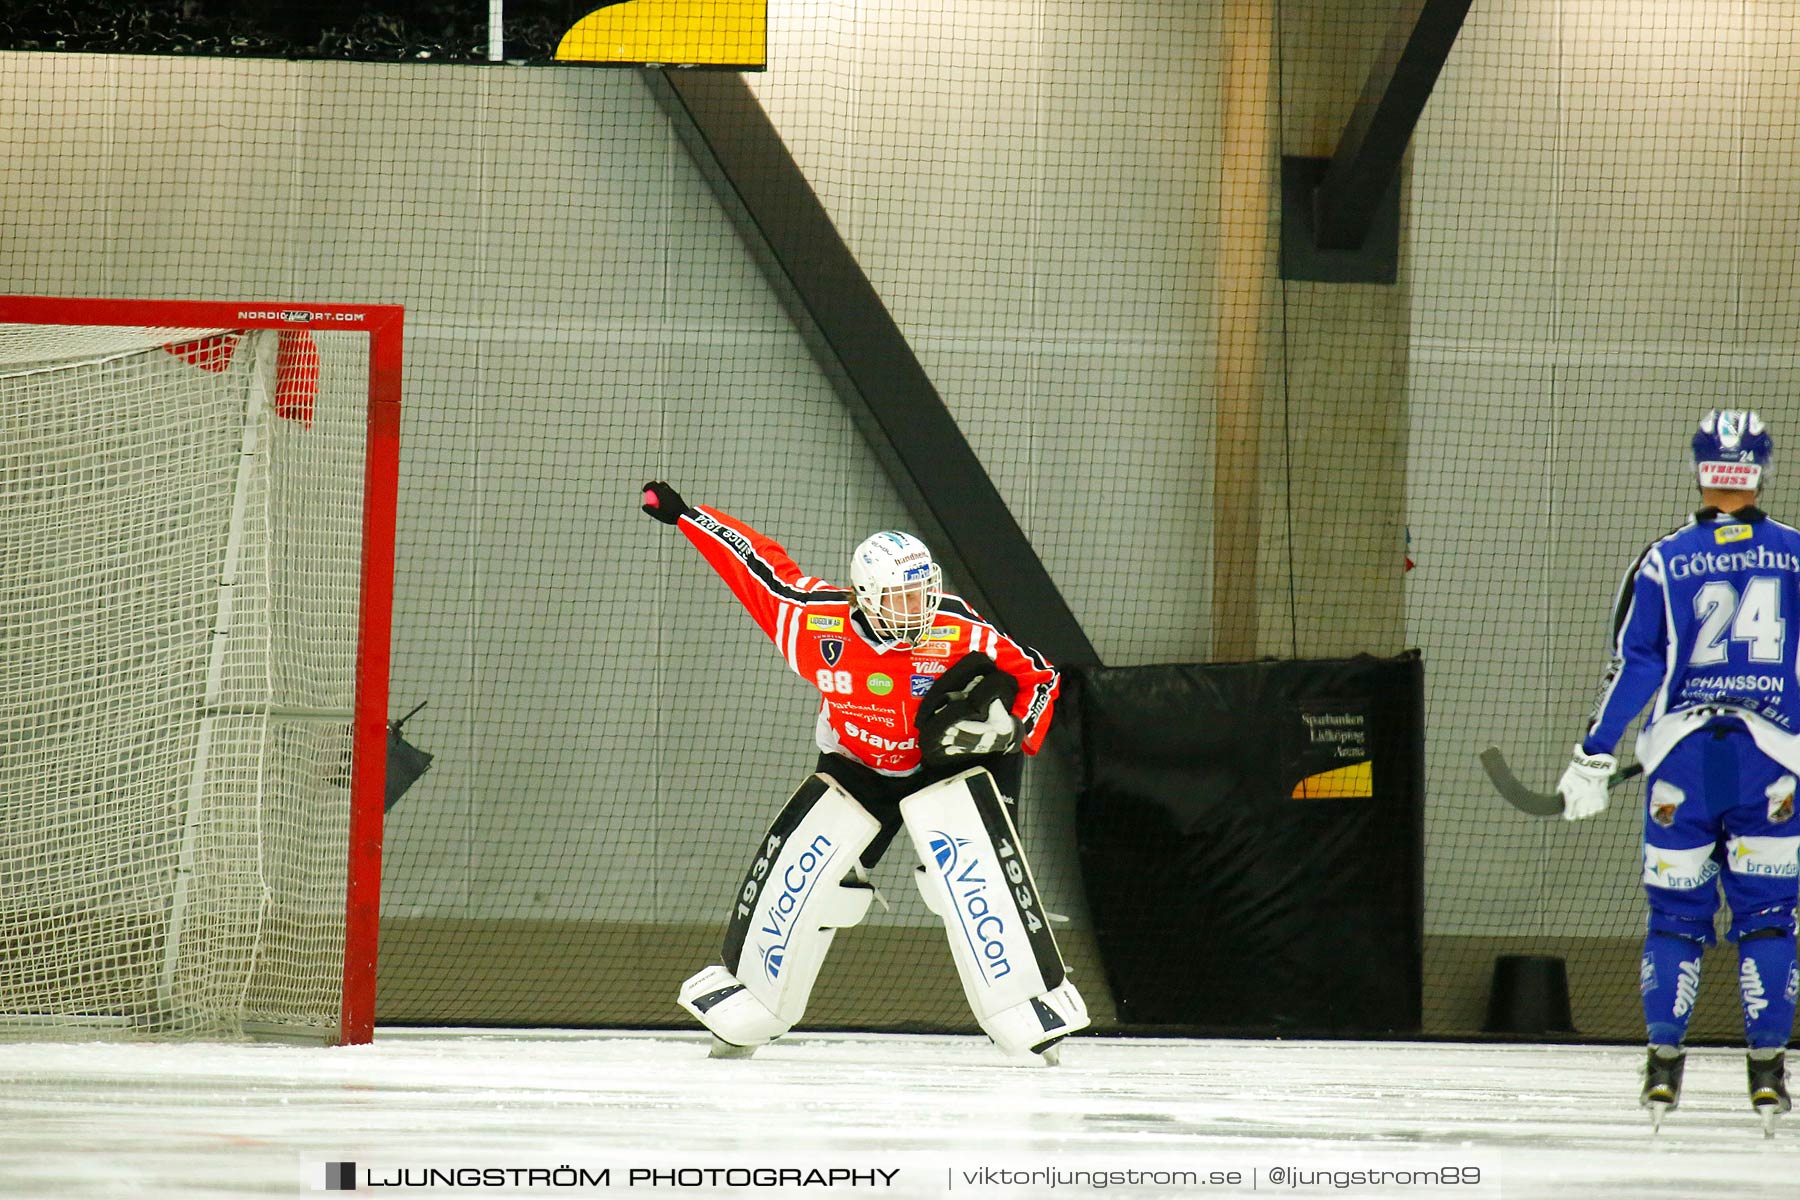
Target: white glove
<point x="1583" y="785"/>
<point x="995" y="733"/>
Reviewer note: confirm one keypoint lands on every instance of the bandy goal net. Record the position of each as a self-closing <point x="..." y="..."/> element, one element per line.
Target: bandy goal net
<point x="196" y="526"/>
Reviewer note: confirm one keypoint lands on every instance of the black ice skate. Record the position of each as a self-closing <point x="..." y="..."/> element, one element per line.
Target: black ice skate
<point x="1768" y="1088"/>
<point x="1662" y="1082"/>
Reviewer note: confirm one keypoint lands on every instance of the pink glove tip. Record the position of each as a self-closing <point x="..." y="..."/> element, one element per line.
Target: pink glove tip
<point x="649" y="498"/>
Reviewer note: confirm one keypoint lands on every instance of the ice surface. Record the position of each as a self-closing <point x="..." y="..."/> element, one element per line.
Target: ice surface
<point x="107" y="1120"/>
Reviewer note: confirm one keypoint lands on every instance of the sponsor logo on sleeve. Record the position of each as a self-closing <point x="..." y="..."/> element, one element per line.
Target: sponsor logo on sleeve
<point x="825" y="624"/>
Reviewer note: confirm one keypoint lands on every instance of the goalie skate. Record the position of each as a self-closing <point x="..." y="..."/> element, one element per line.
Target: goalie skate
<point x="721" y="1048"/>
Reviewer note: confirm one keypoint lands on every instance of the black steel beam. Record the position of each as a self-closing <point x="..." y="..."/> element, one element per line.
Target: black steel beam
<point x="1376" y="260"/>
<point x="1367" y="160"/>
<point x="867" y="358"/>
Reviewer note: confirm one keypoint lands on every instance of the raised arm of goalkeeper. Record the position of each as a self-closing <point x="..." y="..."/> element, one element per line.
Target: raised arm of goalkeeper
<point x="753" y="565"/>
<point x="825" y="631"/>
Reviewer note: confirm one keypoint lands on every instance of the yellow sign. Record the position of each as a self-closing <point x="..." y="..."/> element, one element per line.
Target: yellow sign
<point x="1732" y="533"/>
<point x="1345" y="783"/>
<point x="714" y="33"/>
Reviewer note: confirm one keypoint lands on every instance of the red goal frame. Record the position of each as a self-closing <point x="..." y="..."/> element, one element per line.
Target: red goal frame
<point x="383" y="323"/>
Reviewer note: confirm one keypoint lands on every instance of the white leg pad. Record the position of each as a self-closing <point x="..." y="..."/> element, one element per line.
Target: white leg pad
<point x="974" y="876"/>
<point x="1039" y="1022"/>
<point x="805" y="884"/>
<point x="727" y="1008"/>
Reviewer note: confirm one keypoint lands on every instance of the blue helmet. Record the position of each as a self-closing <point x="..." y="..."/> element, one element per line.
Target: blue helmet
<point x="1732" y="449"/>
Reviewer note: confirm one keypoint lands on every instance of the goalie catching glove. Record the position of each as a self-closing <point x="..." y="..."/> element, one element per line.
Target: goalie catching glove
<point x="967" y="712"/>
<point x="995" y="733"/>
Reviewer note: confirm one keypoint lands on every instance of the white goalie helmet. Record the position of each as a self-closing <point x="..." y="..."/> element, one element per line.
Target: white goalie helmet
<point x="898" y="584"/>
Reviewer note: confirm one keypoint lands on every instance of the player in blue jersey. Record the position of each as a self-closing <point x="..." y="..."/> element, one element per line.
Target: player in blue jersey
<point x="1706" y="630"/>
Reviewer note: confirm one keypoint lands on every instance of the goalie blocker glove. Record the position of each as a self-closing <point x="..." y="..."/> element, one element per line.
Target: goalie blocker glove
<point x="664" y="502"/>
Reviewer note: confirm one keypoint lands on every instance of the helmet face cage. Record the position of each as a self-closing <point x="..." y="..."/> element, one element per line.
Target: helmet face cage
<point x="897" y="584"/>
<point x="1732" y="450"/>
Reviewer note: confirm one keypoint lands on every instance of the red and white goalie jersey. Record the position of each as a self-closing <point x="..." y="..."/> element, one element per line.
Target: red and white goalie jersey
<point x="870" y="685"/>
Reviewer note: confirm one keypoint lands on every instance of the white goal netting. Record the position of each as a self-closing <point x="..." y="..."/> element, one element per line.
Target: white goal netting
<point x="180" y="531"/>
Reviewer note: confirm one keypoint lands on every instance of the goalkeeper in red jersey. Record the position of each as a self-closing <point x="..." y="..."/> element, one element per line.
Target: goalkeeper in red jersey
<point x="925" y="710"/>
